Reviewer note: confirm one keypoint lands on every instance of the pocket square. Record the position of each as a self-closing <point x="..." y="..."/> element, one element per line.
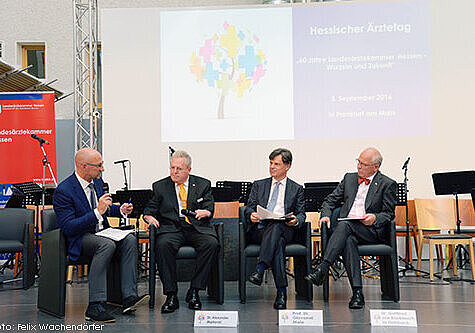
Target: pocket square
<point x="199" y="200"/>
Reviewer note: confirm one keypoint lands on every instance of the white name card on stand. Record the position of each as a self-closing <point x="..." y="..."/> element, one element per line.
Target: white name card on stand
<point x="216" y="319"/>
<point x="393" y="318"/>
<point x="300" y="318"/>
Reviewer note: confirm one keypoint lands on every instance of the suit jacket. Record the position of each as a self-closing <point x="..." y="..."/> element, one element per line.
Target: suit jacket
<point x="294" y="201"/>
<point x="380" y="200"/>
<point x="164" y="204"/>
<point x="74" y="214"/>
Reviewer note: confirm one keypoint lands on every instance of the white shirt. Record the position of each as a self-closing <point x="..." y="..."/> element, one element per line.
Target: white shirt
<point x="177" y="190"/>
<point x="87" y="191"/>
<point x="279" y="206"/>
<point x="358" y="209"/>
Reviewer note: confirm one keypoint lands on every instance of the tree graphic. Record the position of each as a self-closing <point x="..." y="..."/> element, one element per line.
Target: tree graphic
<point x="229" y="61"/>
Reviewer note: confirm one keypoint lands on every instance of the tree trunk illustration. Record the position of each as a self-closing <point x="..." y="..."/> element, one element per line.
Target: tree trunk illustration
<point x="221" y="106"/>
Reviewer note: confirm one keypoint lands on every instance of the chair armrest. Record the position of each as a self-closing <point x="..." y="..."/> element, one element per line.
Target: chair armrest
<point x="242" y="238"/>
<point x="219" y="228"/>
<point x="392" y="234"/>
<point x="152" y="238"/>
<point x="324" y="234"/>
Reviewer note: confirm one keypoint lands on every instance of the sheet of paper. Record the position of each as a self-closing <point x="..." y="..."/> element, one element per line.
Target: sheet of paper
<point x="265" y="214"/>
<point x="114" y="234"/>
<point x="353" y="218"/>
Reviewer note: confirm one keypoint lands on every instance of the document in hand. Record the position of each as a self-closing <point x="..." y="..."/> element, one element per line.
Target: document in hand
<point x="114" y="234"/>
<point x="265" y="214"/>
<point x="352" y="218"/>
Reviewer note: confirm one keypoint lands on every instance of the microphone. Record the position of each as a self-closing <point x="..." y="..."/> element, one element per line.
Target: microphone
<point x="121" y="161"/>
<point x="188" y="212"/>
<point x="105" y="189"/>
<point x="41" y="140"/>
<point x="171" y="150"/>
<point x="406" y="163"/>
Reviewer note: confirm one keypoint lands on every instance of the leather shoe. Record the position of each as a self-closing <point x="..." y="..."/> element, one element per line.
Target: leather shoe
<point x="256" y="278"/>
<point x="131" y="303"/>
<point x="317" y="276"/>
<point x="357" y="300"/>
<point x="171" y="304"/>
<point x="193" y="299"/>
<point x="280" y="302"/>
<point x="97" y="313"/>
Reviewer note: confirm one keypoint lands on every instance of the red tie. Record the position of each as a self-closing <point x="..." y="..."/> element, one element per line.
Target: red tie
<point x="365" y="180"/>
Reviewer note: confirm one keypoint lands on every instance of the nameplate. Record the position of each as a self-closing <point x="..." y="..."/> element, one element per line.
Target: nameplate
<point x="216" y="319"/>
<point x="300" y="318"/>
<point x="393" y="318"/>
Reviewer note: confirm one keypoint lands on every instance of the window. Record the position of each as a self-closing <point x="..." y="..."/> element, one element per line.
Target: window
<point x="34" y="55"/>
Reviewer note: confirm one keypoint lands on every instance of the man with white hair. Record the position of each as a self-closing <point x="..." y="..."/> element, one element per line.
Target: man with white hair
<point x="81" y="208"/>
<point x="171" y="196"/>
<point x="369" y="197"/>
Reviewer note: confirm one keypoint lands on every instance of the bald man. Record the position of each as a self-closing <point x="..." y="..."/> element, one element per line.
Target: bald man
<point x="81" y="208"/>
<point x="369" y="197"/>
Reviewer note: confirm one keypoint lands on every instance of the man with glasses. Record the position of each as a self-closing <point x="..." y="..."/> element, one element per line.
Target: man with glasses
<point x="172" y="196"/>
<point x="81" y="208"/>
<point x="369" y="199"/>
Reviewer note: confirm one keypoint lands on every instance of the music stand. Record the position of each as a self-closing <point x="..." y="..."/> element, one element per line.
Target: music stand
<point x="316" y="193"/>
<point x="224" y="194"/>
<point x="241" y="190"/>
<point x="139" y="199"/>
<point x="454" y="183"/>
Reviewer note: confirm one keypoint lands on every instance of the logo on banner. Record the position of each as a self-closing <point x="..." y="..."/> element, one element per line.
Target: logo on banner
<point x="201" y="318"/>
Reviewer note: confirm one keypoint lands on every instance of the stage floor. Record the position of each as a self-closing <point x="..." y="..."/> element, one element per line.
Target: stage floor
<point x="440" y="306"/>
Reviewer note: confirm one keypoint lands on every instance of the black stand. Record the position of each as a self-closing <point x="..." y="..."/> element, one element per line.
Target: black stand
<point x="402" y="191"/>
<point x="139" y="199"/>
<point x="455" y="183"/>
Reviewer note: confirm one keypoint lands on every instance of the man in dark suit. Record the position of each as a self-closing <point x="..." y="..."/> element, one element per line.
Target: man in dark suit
<point x="182" y="191"/>
<point x="280" y="195"/>
<point x="81" y="209"/>
<point x="370" y="197"/>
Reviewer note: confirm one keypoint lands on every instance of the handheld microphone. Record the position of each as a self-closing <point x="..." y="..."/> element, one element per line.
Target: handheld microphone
<point x="105" y="189"/>
<point x="41" y="140"/>
<point x="121" y="161"/>
<point x="188" y="212"/>
<point x="406" y="163"/>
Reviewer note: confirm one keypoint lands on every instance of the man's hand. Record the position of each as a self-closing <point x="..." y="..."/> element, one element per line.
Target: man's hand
<point x="202" y="213"/>
<point x="368" y="219"/>
<point x="104" y="202"/>
<point x="326" y="220"/>
<point x="254" y="218"/>
<point x="292" y="222"/>
<point x="151" y="220"/>
<point x="126" y="208"/>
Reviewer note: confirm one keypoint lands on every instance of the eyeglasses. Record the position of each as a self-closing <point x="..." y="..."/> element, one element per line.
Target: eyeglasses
<point x="364" y="164"/>
<point x="98" y="165"/>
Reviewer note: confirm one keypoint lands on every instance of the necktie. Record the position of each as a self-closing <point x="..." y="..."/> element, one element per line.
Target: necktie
<point x="183" y="197"/>
<point x="93" y="200"/>
<point x="365" y="180"/>
<point x="273" y="199"/>
<point x="92" y="196"/>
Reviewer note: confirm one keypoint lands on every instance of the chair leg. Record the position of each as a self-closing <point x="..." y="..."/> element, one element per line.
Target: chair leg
<point x="454" y="260"/>
<point x="414" y="236"/>
<point x="419" y="258"/>
<point x="431" y="262"/>
<point x="472" y="262"/>
<point x="242" y="280"/>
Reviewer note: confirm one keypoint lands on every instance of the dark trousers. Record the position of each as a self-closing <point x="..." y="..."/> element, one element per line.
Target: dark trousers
<point x="102" y="250"/>
<point x="167" y="246"/>
<point x="273" y="239"/>
<point x="344" y="241"/>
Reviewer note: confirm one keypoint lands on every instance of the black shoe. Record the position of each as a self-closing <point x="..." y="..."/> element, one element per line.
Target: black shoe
<point x="96" y="312"/>
<point x="193" y="299"/>
<point x="256" y="278"/>
<point x="357" y="300"/>
<point x="131" y="303"/>
<point x="280" y="301"/>
<point x="317" y="276"/>
<point x="171" y="304"/>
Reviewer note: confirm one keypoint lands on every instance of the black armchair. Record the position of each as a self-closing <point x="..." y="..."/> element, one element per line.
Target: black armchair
<point x="388" y="260"/>
<point x="16" y="235"/>
<point x="216" y="278"/>
<point x="53" y="271"/>
<point x="300" y="250"/>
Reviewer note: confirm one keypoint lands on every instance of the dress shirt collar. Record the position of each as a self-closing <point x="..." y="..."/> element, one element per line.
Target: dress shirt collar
<point x="84" y="183"/>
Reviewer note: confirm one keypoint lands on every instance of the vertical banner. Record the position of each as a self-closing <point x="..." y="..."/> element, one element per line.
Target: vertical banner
<point x="21" y="116"/>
